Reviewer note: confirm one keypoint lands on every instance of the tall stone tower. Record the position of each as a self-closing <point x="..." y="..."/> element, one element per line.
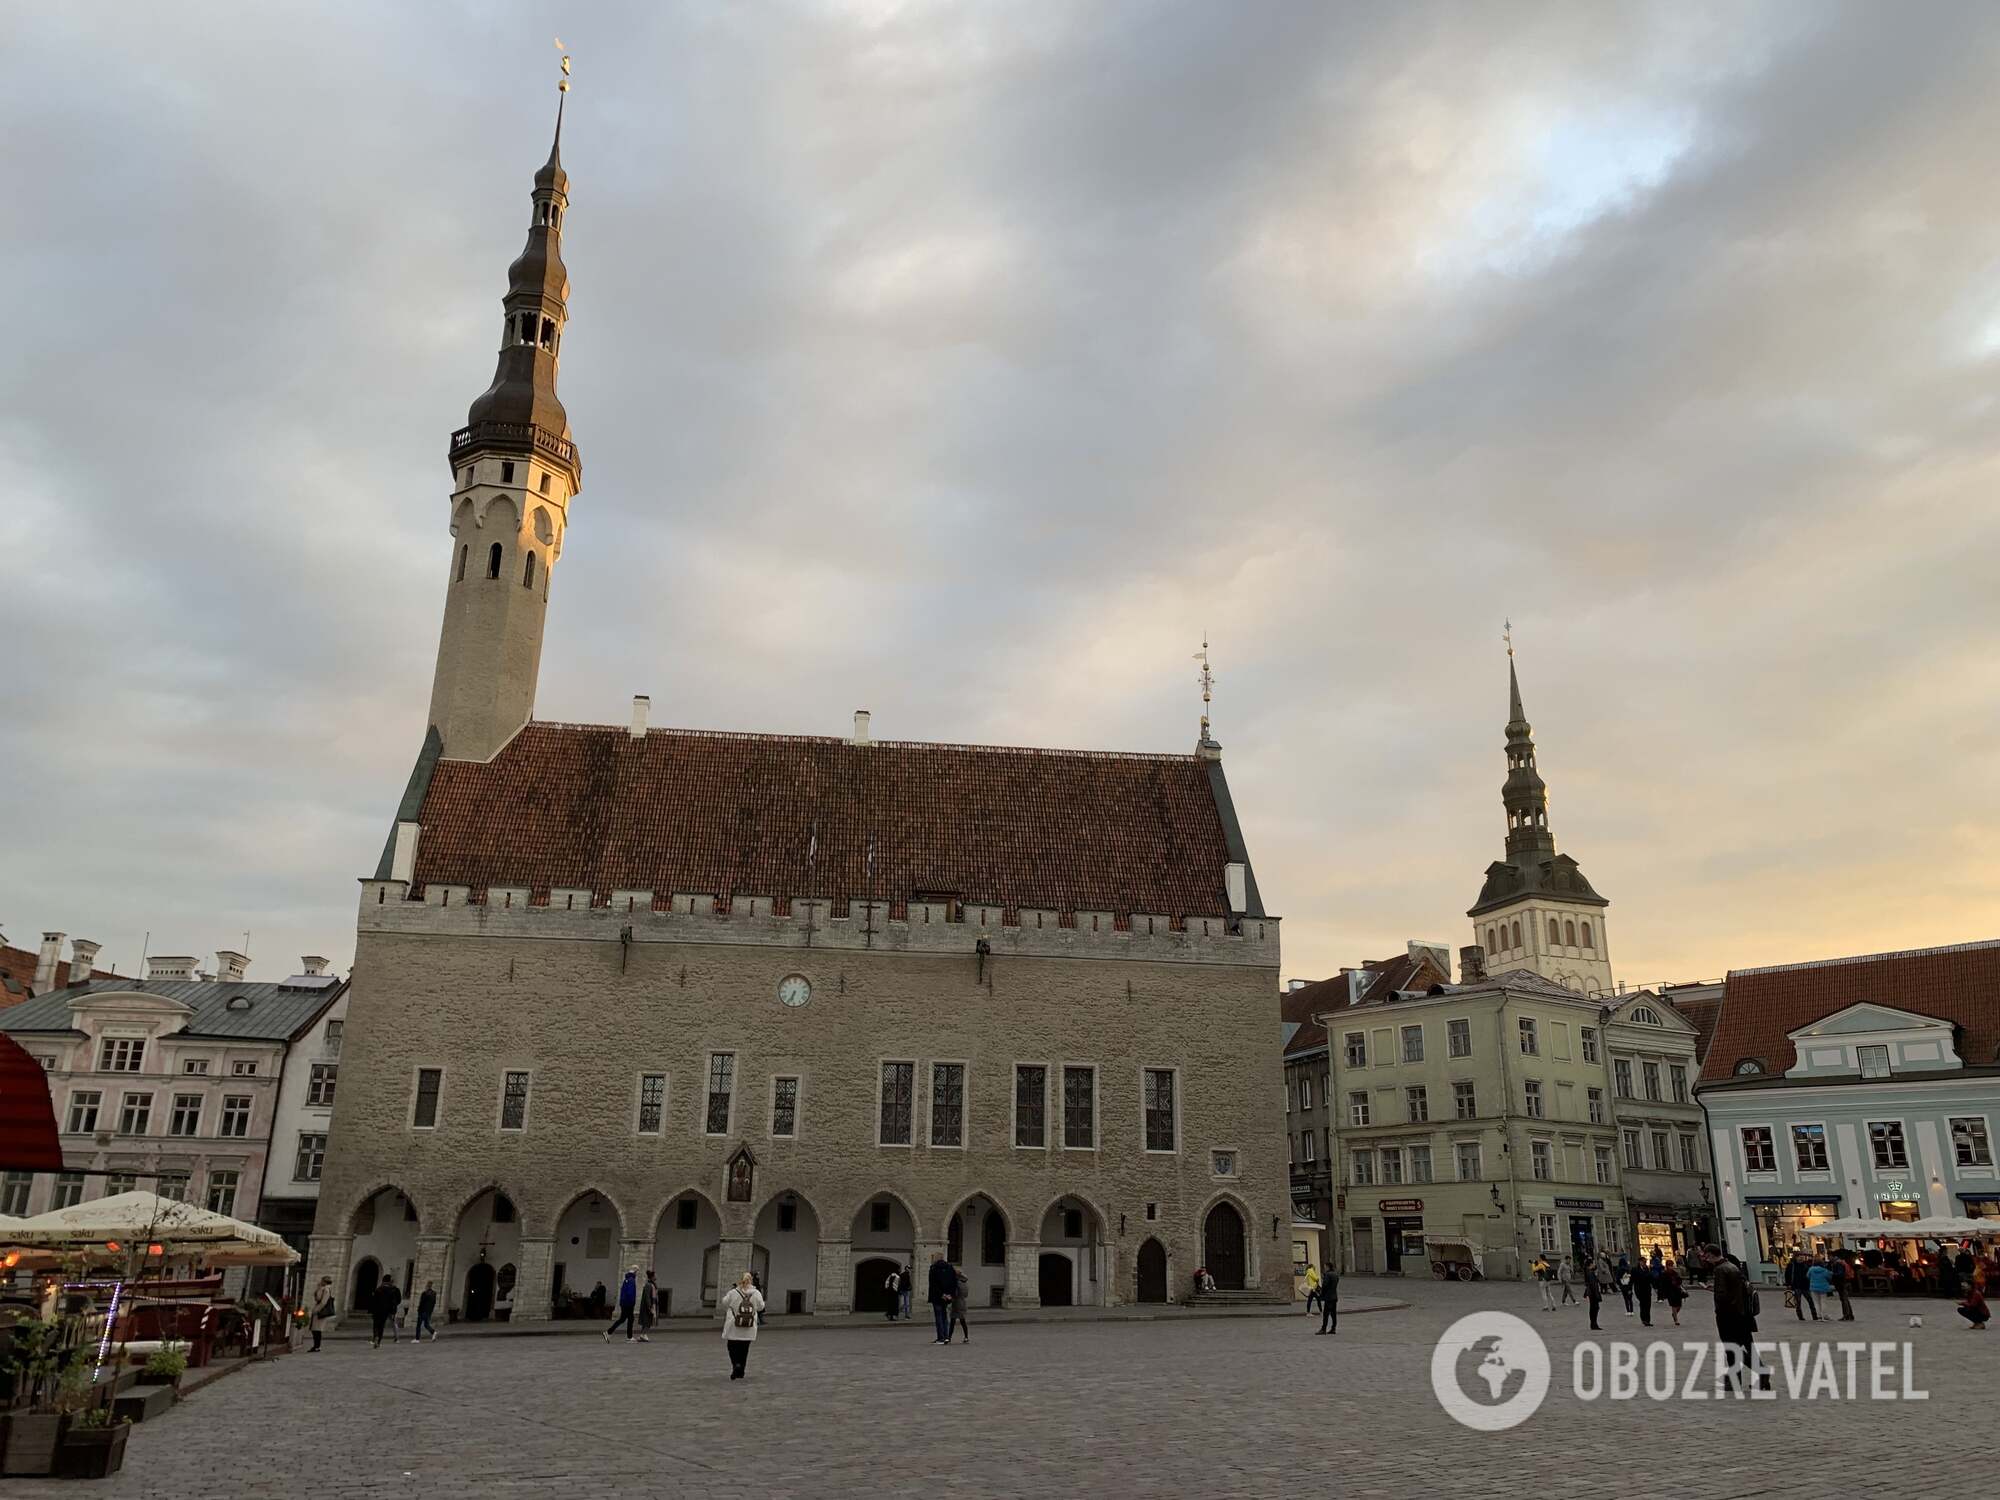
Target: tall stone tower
<point x="1536" y="911"/>
<point x="514" y="472"/>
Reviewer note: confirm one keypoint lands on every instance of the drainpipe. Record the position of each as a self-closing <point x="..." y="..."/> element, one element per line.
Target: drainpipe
<point x="1513" y="1208"/>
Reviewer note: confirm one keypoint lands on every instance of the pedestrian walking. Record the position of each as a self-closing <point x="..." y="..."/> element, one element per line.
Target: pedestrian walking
<point x="1798" y="1281"/>
<point x="1329" y="1303"/>
<point x="1843" y="1283"/>
<point x="1642" y="1289"/>
<point x="382" y="1308"/>
<point x="1545" y="1279"/>
<point x="909" y="1288"/>
<point x="1621" y="1277"/>
<point x="1735" y="1319"/>
<point x="322" y="1310"/>
<point x="1312" y="1288"/>
<point x="1593" y="1294"/>
<point x="961" y="1298"/>
<point x="893" y="1284"/>
<point x="1657" y="1262"/>
<point x="740" y="1306"/>
<point x="649" y="1308"/>
<point x="1819" y="1285"/>
<point x="1566" y="1274"/>
<point x="1973" y="1309"/>
<point x="628" y="1306"/>
<point x="942" y="1288"/>
<point x="427" y="1306"/>
<point x="1672" y="1291"/>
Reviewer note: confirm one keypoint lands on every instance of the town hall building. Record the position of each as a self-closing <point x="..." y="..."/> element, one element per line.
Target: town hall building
<point x="702" y="1002"/>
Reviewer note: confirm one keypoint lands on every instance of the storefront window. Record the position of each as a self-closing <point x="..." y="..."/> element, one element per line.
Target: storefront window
<point x="1982" y="1208"/>
<point x="1655" y="1235"/>
<point x="1781" y="1227"/>
<point x="1901" y="1210"/>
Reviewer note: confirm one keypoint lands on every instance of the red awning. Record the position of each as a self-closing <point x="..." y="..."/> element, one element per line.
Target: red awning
<point x="28" y="1138"/>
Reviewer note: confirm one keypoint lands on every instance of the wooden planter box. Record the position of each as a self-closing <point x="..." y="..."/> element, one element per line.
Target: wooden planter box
<point x="31" y="1440"/>
<point x="145" y="1401"/>
<point x="91" y="1452"/>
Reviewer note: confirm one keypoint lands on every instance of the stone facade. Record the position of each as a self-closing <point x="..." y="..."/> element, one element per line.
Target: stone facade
<point x="587" y="1001"/>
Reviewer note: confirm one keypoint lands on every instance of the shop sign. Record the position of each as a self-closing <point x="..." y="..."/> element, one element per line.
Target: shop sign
<point x="1402" y="1205"/>
<point x="1596" y="1203"/>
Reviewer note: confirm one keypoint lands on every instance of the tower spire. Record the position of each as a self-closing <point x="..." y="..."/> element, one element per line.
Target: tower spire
<point x="1524" y="793"/>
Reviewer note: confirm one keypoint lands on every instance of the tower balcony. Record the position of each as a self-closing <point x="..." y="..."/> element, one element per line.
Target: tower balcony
<point x="517" y="437"/>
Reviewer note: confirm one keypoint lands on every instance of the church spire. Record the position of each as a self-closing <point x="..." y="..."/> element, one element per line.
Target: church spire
<point x="1524" y="793"/>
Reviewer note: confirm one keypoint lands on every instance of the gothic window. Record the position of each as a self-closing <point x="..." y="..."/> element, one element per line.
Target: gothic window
<point x="1583" y="930"/>
<point x="1555" y="934"/>
<point x="528" y="572"/>
<point x="1569" y="934"/>
<point x="1517" y="935"/>
<point x="493" y="561"/>
<point x="463" y="552"/>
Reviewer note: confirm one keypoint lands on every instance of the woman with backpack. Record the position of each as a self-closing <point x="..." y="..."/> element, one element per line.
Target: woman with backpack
<point x="740" y="1306"/>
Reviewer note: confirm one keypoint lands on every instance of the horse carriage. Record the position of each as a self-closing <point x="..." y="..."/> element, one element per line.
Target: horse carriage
<point x="1457" y="1260"/>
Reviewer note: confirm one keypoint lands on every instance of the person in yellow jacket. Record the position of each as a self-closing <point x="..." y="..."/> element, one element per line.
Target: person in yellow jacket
<point x="1312" y="1288"/>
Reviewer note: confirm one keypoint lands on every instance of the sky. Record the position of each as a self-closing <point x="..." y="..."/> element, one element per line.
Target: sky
<point x="969" y="362"/>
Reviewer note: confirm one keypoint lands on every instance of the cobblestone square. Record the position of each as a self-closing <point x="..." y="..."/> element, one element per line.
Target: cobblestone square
<point x="1235" y="1406"/>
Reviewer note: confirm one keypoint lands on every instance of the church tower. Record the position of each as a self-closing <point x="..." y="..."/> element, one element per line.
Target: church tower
<point x="514" y="473"/>
<point x="1536" y="911"/>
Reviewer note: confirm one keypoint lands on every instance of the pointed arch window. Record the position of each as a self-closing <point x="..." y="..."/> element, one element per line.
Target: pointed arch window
<point x="493" y="561"/>
<point x="464" y="551"/>
<point x="528" y="572"/>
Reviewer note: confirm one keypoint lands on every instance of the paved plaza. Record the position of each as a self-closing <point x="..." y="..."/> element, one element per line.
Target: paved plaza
<point x="1226" y="1406"/>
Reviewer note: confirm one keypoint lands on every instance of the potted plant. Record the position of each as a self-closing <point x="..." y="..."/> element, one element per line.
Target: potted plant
<point x="38" y="1358"/>
<point x="92" y="1446"/>
<point x="165" y="1365"/>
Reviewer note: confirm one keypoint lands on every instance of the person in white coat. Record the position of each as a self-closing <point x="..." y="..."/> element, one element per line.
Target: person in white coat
<point x="740" y="1306"/>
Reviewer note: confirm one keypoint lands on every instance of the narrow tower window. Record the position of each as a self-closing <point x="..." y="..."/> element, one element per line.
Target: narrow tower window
<point x="528" y="572"/>
<point x="549" y="334"/>
<point x="1555" y="934"/>
<point x="493" y="562"/>
<point x="1569" y="934"/>
<point x="1517" y="934"/>
<point x="462" y="552"/>
<point x="506" y="471"/>
<point x="1584" y="928"/>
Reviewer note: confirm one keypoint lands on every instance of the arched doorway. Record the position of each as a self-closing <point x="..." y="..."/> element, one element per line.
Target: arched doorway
<point x="688" y="1231"/>
<point x="1058" y="1279"/>
<point x="976" y="1243"/>
<point x="1222" y="1244"/>
<point x="1074" y="1231"/>
<point x="366" y="1275"/>
<point x="489" y="1235"/>
<point x="1152" y="1272"/>
<point x="588" y="1235"/>
<point x="786" y="1241"/>
<point x="479" y="1286"/>
<point x="385" y="1240"/>
<point x="871" y="1284"/>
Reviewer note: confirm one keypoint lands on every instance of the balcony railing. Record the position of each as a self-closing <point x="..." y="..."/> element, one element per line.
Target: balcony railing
<point x="519" y="437"/>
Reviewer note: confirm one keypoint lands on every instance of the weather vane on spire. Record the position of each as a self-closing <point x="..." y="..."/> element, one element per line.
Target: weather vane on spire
<point x="1507" y="635"/>
<point x="1207" y="681"/>
<point x="562" y="84"/>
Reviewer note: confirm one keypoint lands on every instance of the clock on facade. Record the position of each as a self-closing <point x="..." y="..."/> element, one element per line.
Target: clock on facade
<point x="795" y="990"/>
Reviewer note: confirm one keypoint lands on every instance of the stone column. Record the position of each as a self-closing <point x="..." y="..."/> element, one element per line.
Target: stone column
<point x="330" y="1255"/>
<point x="532" y="1279"/>
<point x="434" y="1265"/>
<point x="731" y="1261"/>
<point x="1024" y="1273"/>
<point x="1111" y="1290"/>
<point x="835" y="1292"/>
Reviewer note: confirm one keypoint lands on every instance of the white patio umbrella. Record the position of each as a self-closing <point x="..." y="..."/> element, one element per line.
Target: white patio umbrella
<point x="134" y="1222"/>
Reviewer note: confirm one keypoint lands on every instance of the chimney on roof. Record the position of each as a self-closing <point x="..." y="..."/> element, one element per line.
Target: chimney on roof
<point x="861" y="717"/>
<point x="163" y="966"/>
<point x="312" y="964"/>
<point x="1235" y="881"/>
<point x="1296" y="984"/>
<point x="1471" y="964"/>
<point x="82" y="959"/>
<point x="230" y="966"/>
<point x="46" y="961"/>
<point x="642" y="707"/>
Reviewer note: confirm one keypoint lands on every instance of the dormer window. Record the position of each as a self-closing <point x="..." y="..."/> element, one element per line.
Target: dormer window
<point x="1748" y="1067"/>
<point x="1874" y="1061"/>
<point x="121" y="1054"/>
<point x="1645" y="1016"/>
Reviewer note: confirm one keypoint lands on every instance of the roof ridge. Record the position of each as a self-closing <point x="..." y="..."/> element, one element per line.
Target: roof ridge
<point x="1867" y="958"/>
<point x="762" y="737"/>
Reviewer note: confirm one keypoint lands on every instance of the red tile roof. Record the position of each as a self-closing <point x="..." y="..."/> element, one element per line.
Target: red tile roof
<point x="1702" y="1012"/>
<point x="1383" y="979"/>
<point x="17" y="975"/>
<point x="589" y="807"/>
<point x="1762" y="1006"/>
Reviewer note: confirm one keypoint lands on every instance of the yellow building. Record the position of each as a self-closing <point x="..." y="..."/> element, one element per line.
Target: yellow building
<point x="1476" y="1113"/>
